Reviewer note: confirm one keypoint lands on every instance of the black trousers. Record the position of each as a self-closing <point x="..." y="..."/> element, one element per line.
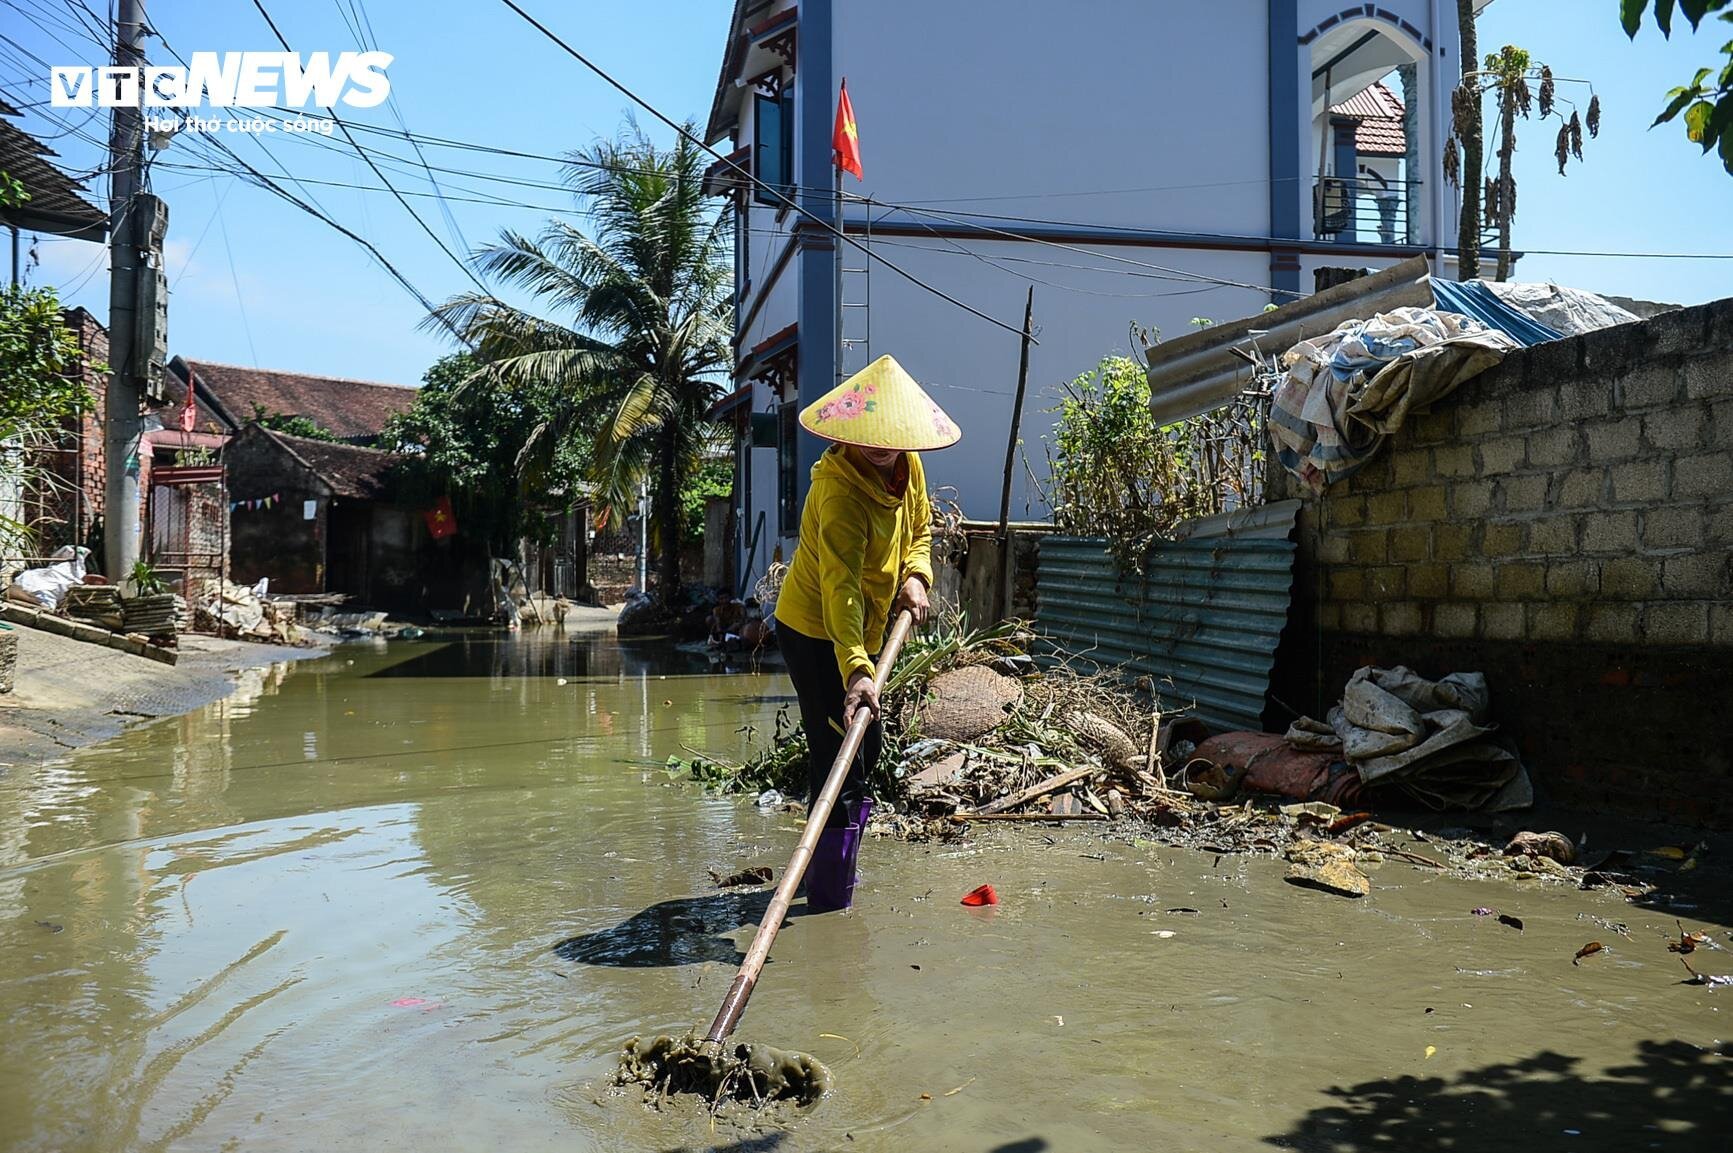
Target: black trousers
<point x="818" y="685"/>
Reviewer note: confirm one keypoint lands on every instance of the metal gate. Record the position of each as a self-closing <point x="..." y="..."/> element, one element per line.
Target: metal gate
<point x="189" y="524"/>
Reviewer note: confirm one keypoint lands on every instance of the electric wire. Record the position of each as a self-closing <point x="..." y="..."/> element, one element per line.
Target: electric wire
<point x="1149" y="239"/>
<point x="824" y="225"/>
<point x="235" y="279"/>
<point x="359" y="11"/>
<point x="407" y="207"/>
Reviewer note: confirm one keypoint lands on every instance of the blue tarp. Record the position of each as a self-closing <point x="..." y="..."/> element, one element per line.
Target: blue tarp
<point x="1472" y="298"/>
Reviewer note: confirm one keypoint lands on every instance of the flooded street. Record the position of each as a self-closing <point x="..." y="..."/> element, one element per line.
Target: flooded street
<point x="418" y="897"/>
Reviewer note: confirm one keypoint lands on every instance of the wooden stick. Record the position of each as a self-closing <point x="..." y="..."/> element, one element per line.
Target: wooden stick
<point x="963" y="818"/>
<point x="1002" y="599"/>
<point x="734" y="1004"/>
<point x="1407" y="856"/>
<point x="1033" y="791"/>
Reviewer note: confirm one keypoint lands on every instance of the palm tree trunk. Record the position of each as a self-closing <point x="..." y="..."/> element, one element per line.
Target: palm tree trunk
<point x="1506" y="185"/>
<point x="1469" y="130"/>
<point x="668" y="517"/>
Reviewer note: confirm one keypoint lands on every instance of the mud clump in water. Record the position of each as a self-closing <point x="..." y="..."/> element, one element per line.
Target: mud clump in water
<point x="757" y="1074"/>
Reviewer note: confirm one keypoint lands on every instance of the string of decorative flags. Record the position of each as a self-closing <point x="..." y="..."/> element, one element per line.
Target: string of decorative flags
<point x="271" y="501"/>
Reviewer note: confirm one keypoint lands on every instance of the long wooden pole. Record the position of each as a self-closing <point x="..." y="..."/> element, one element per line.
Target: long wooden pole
<point x="1003" y="600"/>
<point x="740" y="991"/>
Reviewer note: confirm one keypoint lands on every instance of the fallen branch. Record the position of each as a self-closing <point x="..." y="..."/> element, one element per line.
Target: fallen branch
<point x="963" y="818"/>
<point x="1033" y="791"/>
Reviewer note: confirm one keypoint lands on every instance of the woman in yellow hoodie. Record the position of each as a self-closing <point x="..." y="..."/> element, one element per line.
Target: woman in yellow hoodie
<point x="865" y="551"/>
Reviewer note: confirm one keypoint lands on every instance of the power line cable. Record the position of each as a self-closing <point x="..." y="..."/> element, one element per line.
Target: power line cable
<point x="213" y="141"/>
<point x="835" y="232"/>
<point x="407" y="207"/>
<point x="186" y="265"/>
<point x="311" y="206"/>
<point x="235" y="279"/>
<point x="359" y="11"/>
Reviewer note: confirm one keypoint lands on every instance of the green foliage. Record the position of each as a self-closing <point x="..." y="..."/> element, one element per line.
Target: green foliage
<point x="467" y="436"/>
<point x="12" y="193"/>
<point x="302" y="426"/>
<point x="40" y="386"/>
<point x="145" y="579"/>
<point x="634" y="341"/>
<point x="782" y="764"/>
<point x="1115" y="473"/>
<point x="712" y="478"/>
<point x="1707" y="105"/>
<point x="37" y="352"/>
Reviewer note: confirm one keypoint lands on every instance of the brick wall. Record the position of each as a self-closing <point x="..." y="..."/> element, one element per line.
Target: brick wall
<point x="61" y="512"/>
<point x="1565" y="523"/>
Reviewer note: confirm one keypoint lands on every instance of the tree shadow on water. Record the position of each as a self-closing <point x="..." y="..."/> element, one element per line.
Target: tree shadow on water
<point x="682" y="931"/>
<point x="1673" y="1096"/>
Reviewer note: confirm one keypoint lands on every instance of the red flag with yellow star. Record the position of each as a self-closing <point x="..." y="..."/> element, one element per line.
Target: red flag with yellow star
<point x="440" y="521"/>
<point x="845" y="141"/>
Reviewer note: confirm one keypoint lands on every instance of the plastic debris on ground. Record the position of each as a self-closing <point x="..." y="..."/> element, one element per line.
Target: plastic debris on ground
<point x="46" y="587"/>
<point x="1434" y="740"/>
<point x="1070" y="747"/>
<point x="241" y="612"/>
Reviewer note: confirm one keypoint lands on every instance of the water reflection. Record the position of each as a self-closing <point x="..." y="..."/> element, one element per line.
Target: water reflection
<point x="301" y="883"/>
<point x="551" y="652"/>
<point x="272" y="942"/>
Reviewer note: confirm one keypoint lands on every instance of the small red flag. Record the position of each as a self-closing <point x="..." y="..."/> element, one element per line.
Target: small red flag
<point x="845" y="140"/>
<point x="440" y="521"/>
<point x="189" y="413"/>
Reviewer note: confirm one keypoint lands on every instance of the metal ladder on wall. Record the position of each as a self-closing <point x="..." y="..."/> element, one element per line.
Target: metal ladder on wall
<point x="855" y="329"/>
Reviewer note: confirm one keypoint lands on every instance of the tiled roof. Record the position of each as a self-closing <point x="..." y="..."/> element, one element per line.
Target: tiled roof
<point x="351" y="409"/>
<point x="56" y="205"/>
<point x="349" y="469"/>
<point x="1380" y="113"/>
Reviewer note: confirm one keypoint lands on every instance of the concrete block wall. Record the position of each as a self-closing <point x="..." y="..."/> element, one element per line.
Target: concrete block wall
<point x="1565" y="523"/>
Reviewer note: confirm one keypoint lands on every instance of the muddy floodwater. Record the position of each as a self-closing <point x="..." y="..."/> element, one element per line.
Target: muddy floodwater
<point x="417" y="897"/>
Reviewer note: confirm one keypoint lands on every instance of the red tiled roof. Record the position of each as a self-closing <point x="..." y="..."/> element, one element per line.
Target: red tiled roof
<point x="350" y="409"/>
<point x="1380" y="114"/>
<point x="349" y="469"/>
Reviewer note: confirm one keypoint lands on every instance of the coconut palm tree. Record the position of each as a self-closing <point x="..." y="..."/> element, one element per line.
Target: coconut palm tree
<point x="632" y="335"/>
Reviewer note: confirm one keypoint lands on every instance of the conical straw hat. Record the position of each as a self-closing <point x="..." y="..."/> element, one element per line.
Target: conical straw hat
<point x="881" y="406"/>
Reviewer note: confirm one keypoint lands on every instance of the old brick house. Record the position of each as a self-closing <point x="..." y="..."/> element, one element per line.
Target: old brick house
<point x="228" y="397"/>
<point x="317" y="516"/>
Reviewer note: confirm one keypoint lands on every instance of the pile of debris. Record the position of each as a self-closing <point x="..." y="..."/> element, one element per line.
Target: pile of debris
<point x="1434" y="740"/>
<point x="141" y="610"/>
<point x="976" y="730"/>
<point x="242" y="612"/>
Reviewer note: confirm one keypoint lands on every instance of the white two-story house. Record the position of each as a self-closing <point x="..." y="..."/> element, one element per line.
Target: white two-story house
<point x="1138" y="161"/>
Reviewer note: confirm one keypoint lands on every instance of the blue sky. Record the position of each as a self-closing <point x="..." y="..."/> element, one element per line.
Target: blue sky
<point x="255" y="281"/>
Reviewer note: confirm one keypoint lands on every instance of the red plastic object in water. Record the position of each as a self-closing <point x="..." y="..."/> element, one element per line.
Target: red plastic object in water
<point x="984" y="895"/>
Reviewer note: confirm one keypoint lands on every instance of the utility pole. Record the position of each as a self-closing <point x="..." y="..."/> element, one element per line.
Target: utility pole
<point x="122" y="425"/>
<point x="644" y="537"/>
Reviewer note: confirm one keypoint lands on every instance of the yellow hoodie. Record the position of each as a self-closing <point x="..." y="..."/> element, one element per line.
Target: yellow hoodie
<point x="859" y="543"/>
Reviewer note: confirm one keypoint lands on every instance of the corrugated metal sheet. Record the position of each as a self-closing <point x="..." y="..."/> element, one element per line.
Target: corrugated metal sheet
<point x="1203" y="619"/>
<point x="1200" y="371"/>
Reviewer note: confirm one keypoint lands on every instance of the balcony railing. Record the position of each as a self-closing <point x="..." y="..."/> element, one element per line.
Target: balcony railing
<point x="1360" y="210"/>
